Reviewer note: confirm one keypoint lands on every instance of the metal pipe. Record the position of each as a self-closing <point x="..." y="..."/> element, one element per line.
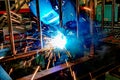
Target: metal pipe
<point x="77" y="17"/>
<point x="39" y="22"/>
<point x="102" y="13"/>
<point x="113" y="13"/>
<point x="7" y="2"/>
<point x="60" y="12"/>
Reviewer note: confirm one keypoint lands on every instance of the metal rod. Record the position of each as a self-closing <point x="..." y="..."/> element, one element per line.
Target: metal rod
<point x="71" y="71"/>
<point x="59" y="55"/>
<point x="18" y="3"/>
<point x="92" y="10"/>
<point x="60" y="12"/>
<point x="39" y="21"/>
<point x="16" y="10"/>
<point x="11" y="70"/>
<point x="13" y="19"/>
<point x="13" y="13"/>
<point x="36" y="70"/>
<point x="68" y="53"/>
<point x="77" y="17"/>
<point x="102" y="13"/>
<point x="91" y="17"/>
<point x="48" y="64"/>
<point x="74" y="75"/>
<point x="7" y="2"/>
<point x="38" y="14"/>
<point x="49" y="60"/>
<point x="90" y="75"/>
<point x="22" y="55"/>
<point x="91" y="26"/>
<point x="113" y="13"/>
<point x="5" y="13"/>
<point x="19" y="7"/>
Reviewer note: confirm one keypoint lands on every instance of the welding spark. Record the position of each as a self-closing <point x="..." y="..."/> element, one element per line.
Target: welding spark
<point x="59" y="41"/>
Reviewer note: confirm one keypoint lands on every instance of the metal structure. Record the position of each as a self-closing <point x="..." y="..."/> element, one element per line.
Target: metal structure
<point x="49" y="53"/>
<point x="3" y="19"/>
<point x="10" y="27"/>
<point x="56" y="69"/>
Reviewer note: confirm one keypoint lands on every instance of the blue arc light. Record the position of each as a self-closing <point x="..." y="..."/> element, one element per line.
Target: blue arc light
<point x="59" y="41"/>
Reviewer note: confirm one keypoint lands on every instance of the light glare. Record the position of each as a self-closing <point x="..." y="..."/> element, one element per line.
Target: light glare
<point x="59" y="41"/>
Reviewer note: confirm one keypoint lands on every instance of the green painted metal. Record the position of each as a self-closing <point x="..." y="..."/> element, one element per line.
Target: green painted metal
<point x="107" y="13"/>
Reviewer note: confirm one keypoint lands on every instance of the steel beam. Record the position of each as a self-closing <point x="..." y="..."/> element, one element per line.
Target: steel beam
<point x="56" y="69"/>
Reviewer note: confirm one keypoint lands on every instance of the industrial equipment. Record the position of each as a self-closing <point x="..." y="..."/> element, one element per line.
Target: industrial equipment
<point x="56" y="37"/>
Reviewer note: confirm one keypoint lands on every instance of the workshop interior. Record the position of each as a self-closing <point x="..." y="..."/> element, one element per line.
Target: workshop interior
<point x="59" y="39"/>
